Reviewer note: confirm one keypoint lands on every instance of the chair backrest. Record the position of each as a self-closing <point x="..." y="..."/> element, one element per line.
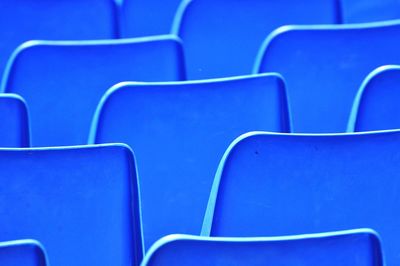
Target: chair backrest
<point x="24" y="20"/>
<point x="221" y="37"/>
<point x="356" y="11"/>
<point x="353" y="247"/>
<point x="14" y="124"/>
<point x="64" y="81"/>
<point x="80" y="202"/>
<point x="323" y="67"/>
<point x="285" y="184"/>
<point x="147" y="17"/>
<point x="179" y="131"/>
<point x="22" y="252"/>
<point x="376" y="106"/>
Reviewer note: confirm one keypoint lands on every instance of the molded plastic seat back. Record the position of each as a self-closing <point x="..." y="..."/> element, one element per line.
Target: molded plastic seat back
<point x="221" y="37"/>
<point x="24" y="20"/>
<point x="323" y="67"/>
<point x="22" y="253"/>
<point x="280" y="184"/>
<point x="377" y="104"/>
<point x="64" y="81"/>
<point x="179" y="131"/>
<point x="14" y="125"/>
<point x="81" y="203"/>
<point x="356" y="11"/>
<point x="147" y="17"/>
<point x="351" y="248"/>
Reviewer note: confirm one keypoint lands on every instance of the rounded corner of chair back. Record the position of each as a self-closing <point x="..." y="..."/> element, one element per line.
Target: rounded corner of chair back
<point x="27" y="252"/>
<point x="270" y="40"/>
<point x="112" y="94"/>
<point x="15" y="129"/>
<point x="158" y="246"/>
<point x="180" y="16"/>
<point x="15" y="100"/>
<point x="375" y="105"/>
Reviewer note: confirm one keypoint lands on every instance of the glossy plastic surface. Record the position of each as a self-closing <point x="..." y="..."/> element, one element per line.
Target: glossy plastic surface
<point x="22" y="253"/>
<point x="81" y="203"/>
<point x="179" y="131"/>
<point x="147" y="17"/>
<point x="356" y="11"/>
<point x="221" y="37"/>
<point x="352" y="248"/>
<point x="64" y="81"/>
<point x="280" y="184"/>
<point x="323" y="67"/>
<point x="376" y="106"/>
<point x="14" y="124"/>
<point x="24" y="20"/>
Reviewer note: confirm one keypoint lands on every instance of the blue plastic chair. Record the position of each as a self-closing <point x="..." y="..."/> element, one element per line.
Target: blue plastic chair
<point x="24" y="20"/>
<point x="352" y="248"/>
<point x="80" y="202"/>
<point x="22" y="253"/>
<point x="356" y="11"/>
<point x="376" y="106"/>
<point x="179" y="131"/>
<point x="323" y="67"/>
<point x="147" y="17"/>
<point x="281" y="184"/>
<point x="14" y="124"/>
<point x="64" y="81"/>
<point x="221" y="37"/>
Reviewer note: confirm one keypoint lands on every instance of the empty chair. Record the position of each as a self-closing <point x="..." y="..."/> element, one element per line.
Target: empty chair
<point x="22" y="253"/>
<point x="280" y="184"/>
<point x="323" y="67"/>
<point x="147" y="17"/>
<point x="353" y="248"/>
<point x="355" y="11"/>
<point x="376" y="106"/>
<point x="179" y="131"/>
<point x="221" y="37"/>
<point x="14" y="125"/>
<point x="80" y="202"/>
<point x="64" y="81"/>
<point x="24" y="20"/>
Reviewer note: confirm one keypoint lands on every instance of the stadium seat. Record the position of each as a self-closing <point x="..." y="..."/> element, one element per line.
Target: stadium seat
<point x="271" y="184"/>
<point x="147" y="17"/>
<point x="24" y="20"/>
<point x="376" y="106"/>
<point x="22" y="253"/>
<point x="179" y="131"/>
<point x="221" y="37"/>
<point x="14" y="125"/>
<point x="352" y="248"/>
<point x="64" y="81"/>
<point x="80" y="202"/>
<point x="356" y="11"/>
<point x="323" y="67"/>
